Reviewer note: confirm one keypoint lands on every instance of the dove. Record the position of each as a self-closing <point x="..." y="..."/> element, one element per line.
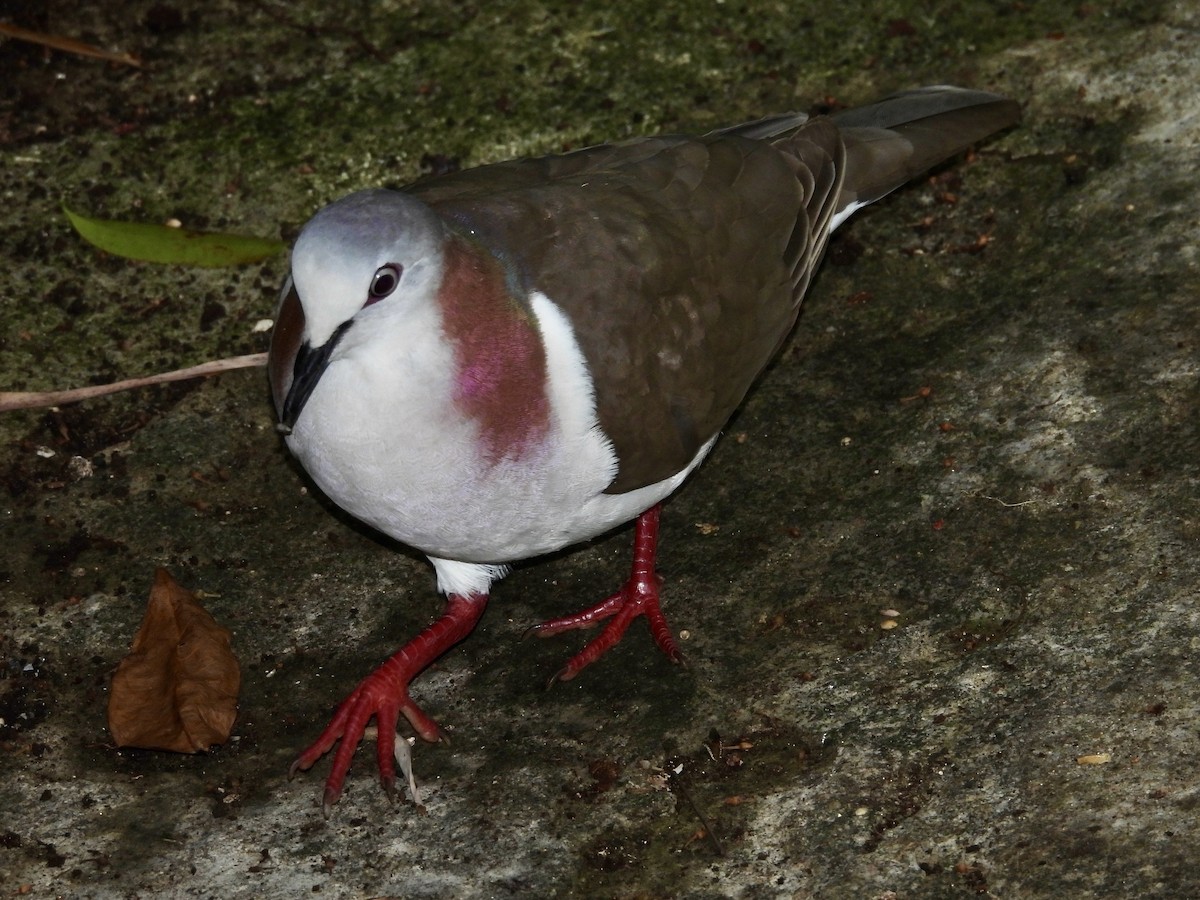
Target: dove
<point x="505" y="361"/>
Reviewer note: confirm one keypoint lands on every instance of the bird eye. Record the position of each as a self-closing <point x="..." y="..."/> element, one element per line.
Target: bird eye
<point x="385" y="281"/>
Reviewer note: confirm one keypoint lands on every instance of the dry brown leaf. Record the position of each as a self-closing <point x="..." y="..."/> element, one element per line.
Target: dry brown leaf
<point x="178" y="687"/>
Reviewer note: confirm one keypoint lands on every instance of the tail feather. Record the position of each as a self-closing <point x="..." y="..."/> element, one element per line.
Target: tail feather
<point x="890" y="142"/>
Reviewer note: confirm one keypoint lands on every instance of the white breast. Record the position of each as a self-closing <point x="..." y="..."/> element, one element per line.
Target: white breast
<point x="586" y="451"/>
<point x="383" y="439"/>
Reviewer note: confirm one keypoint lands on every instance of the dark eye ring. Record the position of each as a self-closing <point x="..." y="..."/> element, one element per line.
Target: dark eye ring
<point x="385" y="281"/>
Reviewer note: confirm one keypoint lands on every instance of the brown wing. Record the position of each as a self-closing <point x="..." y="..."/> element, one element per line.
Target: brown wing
<point x="680" y="262"/>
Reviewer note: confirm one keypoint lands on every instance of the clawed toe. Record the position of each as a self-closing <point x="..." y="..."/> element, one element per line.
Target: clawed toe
<point x="383" y="696"/>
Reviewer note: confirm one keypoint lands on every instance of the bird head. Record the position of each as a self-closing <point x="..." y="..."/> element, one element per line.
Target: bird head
<point x="365" y="257"/>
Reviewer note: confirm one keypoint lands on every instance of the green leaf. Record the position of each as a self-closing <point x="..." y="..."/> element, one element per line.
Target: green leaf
<point x="160" y="244"/>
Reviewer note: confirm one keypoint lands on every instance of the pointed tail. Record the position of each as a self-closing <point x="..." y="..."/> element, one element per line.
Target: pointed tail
<point x="894" y="140"/>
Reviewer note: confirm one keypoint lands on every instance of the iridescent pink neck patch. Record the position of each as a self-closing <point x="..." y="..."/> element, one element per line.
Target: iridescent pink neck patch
<point x="501" y="364"/>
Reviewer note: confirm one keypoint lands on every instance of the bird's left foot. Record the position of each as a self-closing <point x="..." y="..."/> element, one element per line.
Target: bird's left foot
<point x="637" y="597"/>
<point x="384" y="695"/>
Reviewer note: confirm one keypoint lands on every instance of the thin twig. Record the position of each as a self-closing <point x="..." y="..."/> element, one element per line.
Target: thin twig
<point x="33" y="399"/>
<point x="68" y="45"/>
<point x="1006" y="503"/>
<point x="677" y="786"/>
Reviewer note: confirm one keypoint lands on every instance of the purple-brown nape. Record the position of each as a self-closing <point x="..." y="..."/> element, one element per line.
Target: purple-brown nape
<point x="498" y="351"/>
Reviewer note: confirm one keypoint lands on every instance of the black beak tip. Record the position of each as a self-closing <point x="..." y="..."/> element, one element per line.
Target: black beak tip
<point x="306" y="372"/>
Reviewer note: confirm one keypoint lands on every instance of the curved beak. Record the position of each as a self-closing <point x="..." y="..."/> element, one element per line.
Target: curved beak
<point x="306" y="372"/>
<point x="293" y="366"/>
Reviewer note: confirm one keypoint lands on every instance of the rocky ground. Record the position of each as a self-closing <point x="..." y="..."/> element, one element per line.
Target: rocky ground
<point x="936" y="586"/>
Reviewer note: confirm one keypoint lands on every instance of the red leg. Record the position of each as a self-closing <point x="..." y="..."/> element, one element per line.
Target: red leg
<point x="384" y="695"/>
<point x="638" y="596"/>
